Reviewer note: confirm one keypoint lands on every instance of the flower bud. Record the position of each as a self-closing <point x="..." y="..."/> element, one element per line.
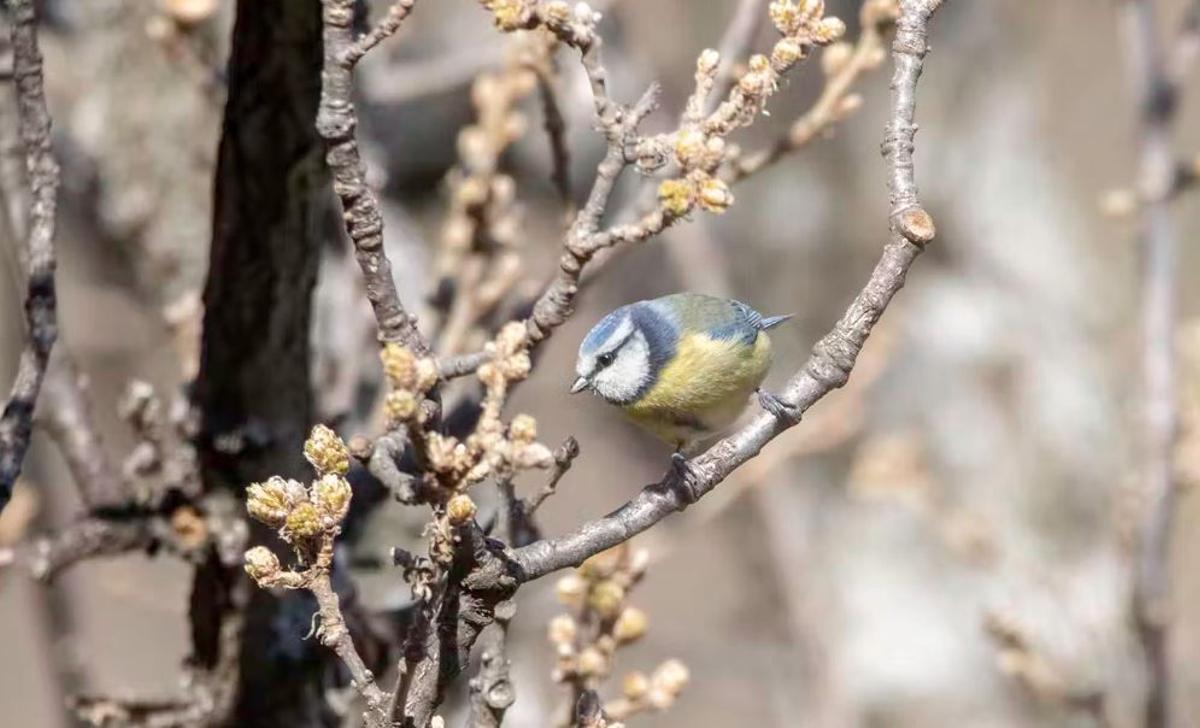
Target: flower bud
<point x="261" y="564"/>
<point x="460" y="509"/>
<point x="689" y="147"/>
<point x="605" y="598"/>
<point x="272" y="501"/>
<point x="331" y="496"/>
<point x="592" y="662"/>
<point x="326" y="451"/>
<point x="786" y="52"/>
<point x="400" y="405"/>
<point x="635" y="685"/>
<point x="829" y="30"/>
<point x="570" y="589"/>
<point x="708" y="61"/>
<point x="675" y="195"/>
<point x="562" y="630"/>
<point x="715" y="195"/>
<point x="670" y="677"/>
<point x="631" y="625"/>
<point x="303" y="522"/>
<point x="399" y="365"/>
<point x="523" y="429"/>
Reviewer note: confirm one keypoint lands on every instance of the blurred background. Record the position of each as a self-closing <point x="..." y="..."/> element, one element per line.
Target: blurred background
<point x="945" y="542"/>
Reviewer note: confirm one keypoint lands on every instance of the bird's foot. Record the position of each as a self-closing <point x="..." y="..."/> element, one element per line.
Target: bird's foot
<point x="783" y="411"/>
<point x="685" y="480"/>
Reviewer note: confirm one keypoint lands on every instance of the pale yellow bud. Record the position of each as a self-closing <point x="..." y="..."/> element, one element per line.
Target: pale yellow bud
<point x="689" y="147"/>
<point x="400" y="405"/>
<point x="571" y="589"/>
<point x="331" y="495"/>
<point x="562" y="630"/>
<point x="631" y="625"/>
<point x="715" y="195"/>
<point x="592" y="662"/>
<point x="635" y="685"/>
<point x="523" y="429"/>
<point x="532" y="455"/>
<point x="606" y="598"/>
<point x="708" y="61"/>
<point x="189" y="12"/>
<point x="786" y="52"/>
<point x="460" y="509"/>
<point x="326" y="451"/>
<point x="272" y="501"/>
<point x="557" y="12"/>
<point x="675" y="195"/>
<point x="303" y="522"/>
<point x="399" y="365"/>
<point x="829" y="30"/>
<point x="670" y="677"/>
<point x="261" y="564"/>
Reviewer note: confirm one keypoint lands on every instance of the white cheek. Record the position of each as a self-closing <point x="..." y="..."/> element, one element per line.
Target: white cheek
<point x="621" y="380"/>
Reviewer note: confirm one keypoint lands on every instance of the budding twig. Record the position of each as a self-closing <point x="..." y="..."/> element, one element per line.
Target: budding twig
<point x="833" y="357"/>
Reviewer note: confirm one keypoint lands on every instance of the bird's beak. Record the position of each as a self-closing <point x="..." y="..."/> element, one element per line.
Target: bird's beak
<point x="579" y="385"/>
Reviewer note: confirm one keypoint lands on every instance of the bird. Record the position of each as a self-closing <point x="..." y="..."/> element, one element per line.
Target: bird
<point x="682" y="366"/>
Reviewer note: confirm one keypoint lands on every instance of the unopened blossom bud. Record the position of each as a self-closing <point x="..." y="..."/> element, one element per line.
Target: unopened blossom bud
<point x="715" y="195"/>
<point x="605" y="598"/>
<point x="571" y="589"/>
<point x="670" y="677"/>
<point x="400" y="405"/>
<point x="829" y="30"/>
<point x="261" y="564"/>
<point x="786" y="52"/>
<point x="523" y="429"/>
<point x="331" y="496"/>
<point x="398" y="364"/>
<point x="272" y="501"/>
<point x="460" y="509"/>
<point x="675" y="195"/>
<point x="303" y="522"/>
<point x="592" y="662"/>
<point x="189" y="12"/>
<point x="635" y="685"/>
<point x="630" y="625"/>
<point x="326" y="451"/>
<point x="689" y="147"/>
<point x="562" y="630"/>
<point x="708" y="61"/>
<point x="556" y="12"/>
<point x="533" y="455"/>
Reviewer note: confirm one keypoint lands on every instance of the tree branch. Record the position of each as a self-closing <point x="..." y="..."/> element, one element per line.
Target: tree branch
<point x="833" y="357"/>
<point x="1157" y="98"/>
<point x="41" y="320"/>
<point x="337" y="123"/>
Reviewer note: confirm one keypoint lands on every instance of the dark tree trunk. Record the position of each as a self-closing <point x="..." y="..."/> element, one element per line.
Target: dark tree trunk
<point x="272" y="201"/>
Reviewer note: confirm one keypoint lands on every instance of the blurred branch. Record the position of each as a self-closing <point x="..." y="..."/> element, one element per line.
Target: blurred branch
<point x="735" y="44"/>
<point x="833" y="357"/>
<point x="1157" y="97"/>
<point x="16" y="422"/>
<point x="337" y="123"/>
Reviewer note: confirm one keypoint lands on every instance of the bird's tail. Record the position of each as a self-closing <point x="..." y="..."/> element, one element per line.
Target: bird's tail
<point x="770" y="322"/>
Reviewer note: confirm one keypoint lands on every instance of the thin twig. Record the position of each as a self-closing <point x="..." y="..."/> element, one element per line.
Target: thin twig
<point x="833" y="357"/>
<point x="1157" y="98"/>
<point x="564" y="457"/>
<point x="16" y="423"/>
<point x="556" y="129"/>
<point x="336" y="123"/>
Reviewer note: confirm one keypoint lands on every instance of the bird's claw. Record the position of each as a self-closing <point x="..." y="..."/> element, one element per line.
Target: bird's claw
<point x="685" y="478"/>
<point x="782" y="411"/>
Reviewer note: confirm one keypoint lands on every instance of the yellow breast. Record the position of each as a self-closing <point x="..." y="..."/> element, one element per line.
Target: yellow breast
<point x="703" y="389"/>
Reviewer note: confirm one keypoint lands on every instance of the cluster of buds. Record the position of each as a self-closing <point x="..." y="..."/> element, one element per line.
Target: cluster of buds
<point x="600" y="621"/>
<point x="573" y="25"/>
<point x="308" y="518"/>
<point x="482" y="234"/>
<point x="493" y="449"/>
<point x="699" y="147"/>
<point x="409" y="379"/>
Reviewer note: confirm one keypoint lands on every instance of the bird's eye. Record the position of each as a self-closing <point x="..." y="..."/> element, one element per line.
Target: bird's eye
<point x="606" y="358"/>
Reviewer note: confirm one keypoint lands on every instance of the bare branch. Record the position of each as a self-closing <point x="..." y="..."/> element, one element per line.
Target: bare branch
<point x="1157" y="97"/>
<point x="41" y="322"/>
<point x="564" y="457"/>
<point x="337" y="123"/>
<point x="833" y="357"/>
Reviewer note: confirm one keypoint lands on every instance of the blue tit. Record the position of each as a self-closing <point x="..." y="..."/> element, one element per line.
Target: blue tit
<point x="682" y="366"/>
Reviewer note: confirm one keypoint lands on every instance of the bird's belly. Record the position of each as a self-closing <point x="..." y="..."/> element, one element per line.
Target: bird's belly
<point x="702" y="392"/>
